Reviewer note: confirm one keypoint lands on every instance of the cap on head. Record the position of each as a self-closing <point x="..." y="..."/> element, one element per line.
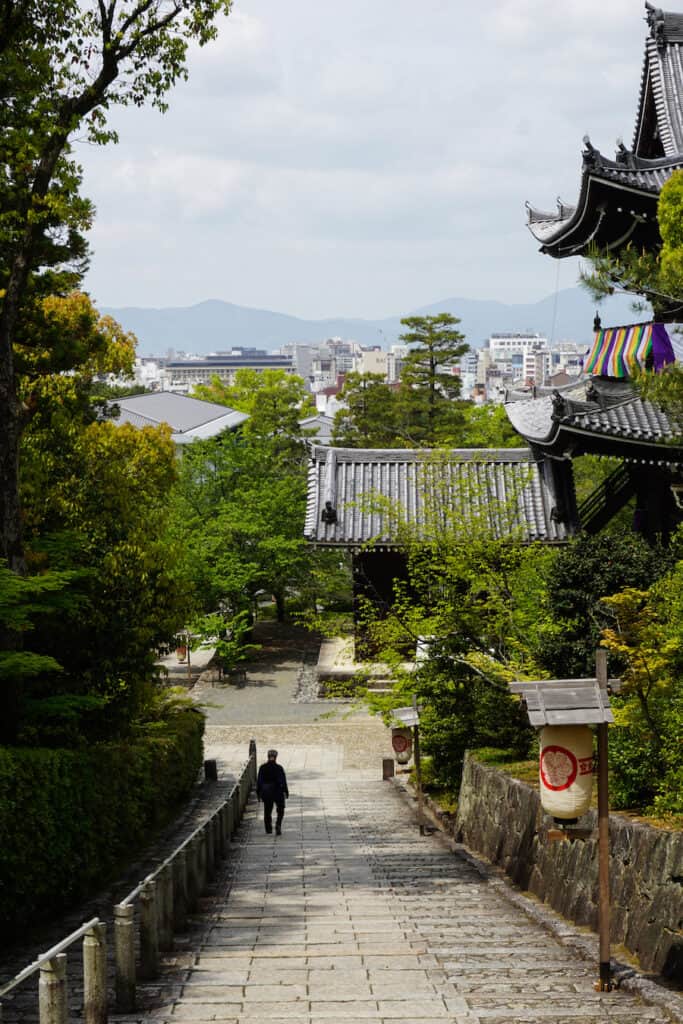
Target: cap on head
<point x="272" y="753"/>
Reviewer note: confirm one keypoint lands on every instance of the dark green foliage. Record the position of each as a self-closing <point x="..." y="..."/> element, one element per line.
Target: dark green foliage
<point x="462" y="711"/>
<point x="428" y="412"/>
<point x="69" y="818"/>
<point x="588" y="569"/>
<point x="64" y="720"/>
<point x="633" y="773"/>
<point x="238" y="515"/>
<point x="369" y="416"/>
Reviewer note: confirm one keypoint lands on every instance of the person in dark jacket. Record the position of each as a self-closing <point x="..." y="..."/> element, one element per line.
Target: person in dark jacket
<point x="271" y="787"/>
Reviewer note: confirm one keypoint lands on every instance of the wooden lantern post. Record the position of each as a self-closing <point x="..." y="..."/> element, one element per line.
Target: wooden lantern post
<point x="559" y="702"/>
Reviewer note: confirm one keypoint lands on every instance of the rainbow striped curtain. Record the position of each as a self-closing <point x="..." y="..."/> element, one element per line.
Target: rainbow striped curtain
<point x="619" y="351"/>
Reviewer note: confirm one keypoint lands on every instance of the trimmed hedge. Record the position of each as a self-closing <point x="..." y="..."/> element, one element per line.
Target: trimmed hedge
<point x="70" y="818"/>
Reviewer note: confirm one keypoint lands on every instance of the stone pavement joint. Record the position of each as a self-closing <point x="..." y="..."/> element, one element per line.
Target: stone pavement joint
<point x="352" y="916"/>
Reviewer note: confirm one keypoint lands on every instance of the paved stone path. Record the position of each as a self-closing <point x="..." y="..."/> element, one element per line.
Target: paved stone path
<point x="352" y="916"/>
<point x="349" y="916"/>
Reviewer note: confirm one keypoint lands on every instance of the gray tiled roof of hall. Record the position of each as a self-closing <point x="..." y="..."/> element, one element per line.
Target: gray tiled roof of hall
<point x="372" y="490"/>
<point x="189" y="418"/>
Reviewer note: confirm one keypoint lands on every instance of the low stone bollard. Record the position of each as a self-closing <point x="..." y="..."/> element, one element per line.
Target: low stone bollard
<point x="52" y="994"/>
<point x="192" y="874"/>
<point x="388" y="768"/>
<point x="165" y="908"/>
<point x="149" y="932"/>
<point x="179" y="868"/>
<point x="124" y="947"/>
<point x="201" y="861"/>
<point x="95" y="975"/>
<point x="223" y="834"/>
<point x="207" y="832"/>
<point x="211" y="771"/>
<point x="235" y="809"/>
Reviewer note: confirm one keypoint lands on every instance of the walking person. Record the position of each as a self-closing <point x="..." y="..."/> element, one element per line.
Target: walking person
<point x="271" y="787"/>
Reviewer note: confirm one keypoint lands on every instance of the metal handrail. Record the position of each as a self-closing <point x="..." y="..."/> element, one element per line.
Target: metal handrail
<point x="46" y="957"/>
<point x="134" y="893"/>
<point x="155" y="900"/>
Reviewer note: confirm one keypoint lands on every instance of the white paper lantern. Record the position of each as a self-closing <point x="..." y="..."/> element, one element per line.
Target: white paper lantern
<point x="566" y="770"/>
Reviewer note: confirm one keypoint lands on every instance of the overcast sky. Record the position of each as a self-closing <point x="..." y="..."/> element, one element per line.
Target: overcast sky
<point x="363" y="158"/>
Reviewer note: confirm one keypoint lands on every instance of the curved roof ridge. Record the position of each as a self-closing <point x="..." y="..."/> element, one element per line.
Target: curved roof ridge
<point x="661" y="83"/>
<point x="324" y="452"/>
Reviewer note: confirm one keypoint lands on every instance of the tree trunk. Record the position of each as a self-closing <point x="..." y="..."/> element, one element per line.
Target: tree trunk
<point x="280" y="607"/>
<point x="11" y="547"/>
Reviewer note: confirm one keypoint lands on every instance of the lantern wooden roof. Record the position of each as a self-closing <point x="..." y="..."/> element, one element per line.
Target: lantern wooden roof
<point x="565" y="701"/>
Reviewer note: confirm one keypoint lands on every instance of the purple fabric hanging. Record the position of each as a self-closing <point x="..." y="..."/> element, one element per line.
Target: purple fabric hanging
<point x="662" y="349"/>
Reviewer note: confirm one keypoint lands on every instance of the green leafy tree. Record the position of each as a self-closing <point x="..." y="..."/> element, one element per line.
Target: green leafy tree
<point x="485" y="426"/>
<point x="428" y="390"/>
<point x="274" y="400"/>
<point x="104" y="504"/>
<point x="646" y="743"/>
<point x="94" y="499"/>
<point x="63" y="64"/>
<point x="368" y="418"/>
<point x="587" y="570"/>
<point x="472" y="601"/>
<point x="239" y="513"/>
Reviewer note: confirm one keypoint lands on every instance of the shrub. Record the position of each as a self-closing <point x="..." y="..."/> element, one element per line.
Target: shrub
<point x="69" y="818"/>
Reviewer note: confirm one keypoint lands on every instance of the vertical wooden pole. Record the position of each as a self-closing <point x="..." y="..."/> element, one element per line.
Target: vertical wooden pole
<point x="418" y="771"/>
<point x="605" y="982"/>
<point x="95" y="975"/>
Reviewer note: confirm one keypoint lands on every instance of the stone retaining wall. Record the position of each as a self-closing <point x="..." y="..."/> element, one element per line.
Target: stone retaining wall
<point x="502" y="819"/>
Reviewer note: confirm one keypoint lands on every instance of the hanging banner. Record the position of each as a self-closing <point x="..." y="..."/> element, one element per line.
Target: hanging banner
<point x="620" y="351"/>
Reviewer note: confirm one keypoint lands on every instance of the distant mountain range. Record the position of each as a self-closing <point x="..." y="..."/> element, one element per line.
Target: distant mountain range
<point x="216" y="326"/>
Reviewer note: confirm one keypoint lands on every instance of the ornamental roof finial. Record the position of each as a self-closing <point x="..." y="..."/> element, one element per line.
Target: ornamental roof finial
<point x="655" y="19"/>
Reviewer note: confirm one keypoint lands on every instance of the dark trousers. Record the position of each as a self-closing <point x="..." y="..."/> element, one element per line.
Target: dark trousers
<point x="268" y="801"/>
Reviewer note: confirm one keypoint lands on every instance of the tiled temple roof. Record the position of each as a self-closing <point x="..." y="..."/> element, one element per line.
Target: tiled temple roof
<point x="618" y="198"/>
<point x="659" y="127"/>
<point x="592" y="410"/>
<point x="189" y="418"/>
<point x="512" y="487"/>
<point x="639" y="179"/>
